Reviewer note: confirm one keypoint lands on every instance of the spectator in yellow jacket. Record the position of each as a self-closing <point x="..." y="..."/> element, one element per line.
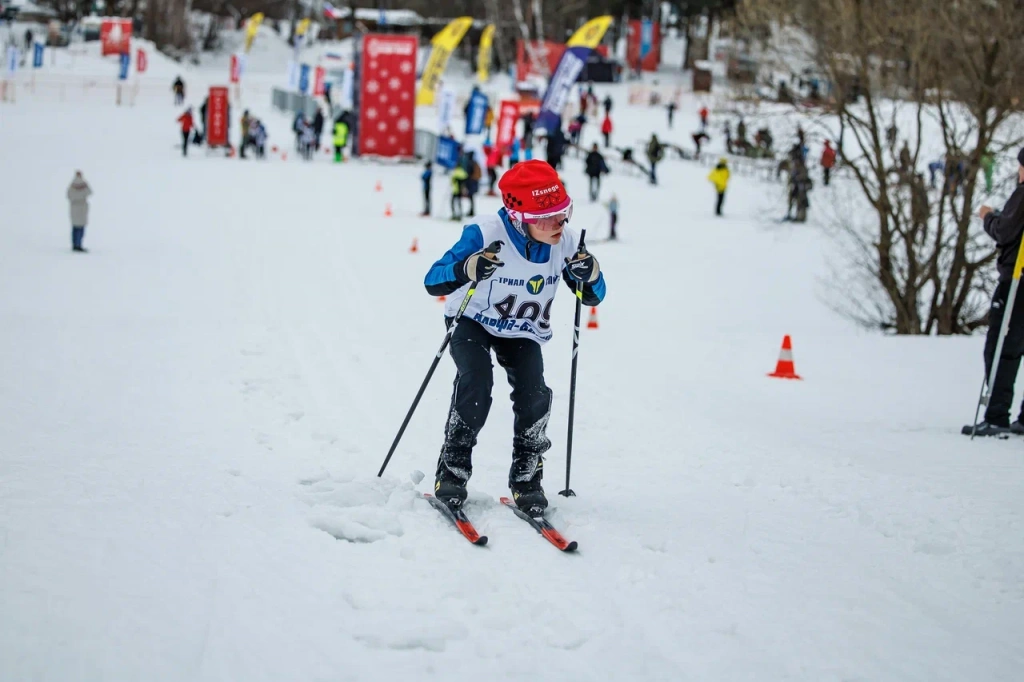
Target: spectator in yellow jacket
<point x="720" y="177"/>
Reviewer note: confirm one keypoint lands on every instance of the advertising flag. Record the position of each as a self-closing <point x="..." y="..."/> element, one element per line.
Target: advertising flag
<point x="115" y="36"/>
<point x="251" y="28"/>
<point x="483" y="59"/>
<point x="236" y="69"/>
<point x="508" y="116"/>
<point x="217" y="117"/>
<point x="477" y="111"/>
<point x="304" y="79"/>
<point x="444" y="43"/>
<point x="318" y="81"/>
<point x="579" y="47"/>
<point x="141" y="61"/>
<point x="387" y="95"/>
<point x="37" y="55"/>
<point x="126" y="60"/>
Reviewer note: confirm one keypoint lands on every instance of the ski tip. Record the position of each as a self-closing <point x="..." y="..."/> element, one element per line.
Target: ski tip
<point x="571" y="547"/>
<point x="506" y="501"/>
<point x="480" y="541"/>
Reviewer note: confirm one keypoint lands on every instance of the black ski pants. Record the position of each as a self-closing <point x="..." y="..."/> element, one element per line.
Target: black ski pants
<point x="523" y="362"/>
<point x="595" y="187"/>
<point x="1001" y="399"/>
<point x="718" y="206"/>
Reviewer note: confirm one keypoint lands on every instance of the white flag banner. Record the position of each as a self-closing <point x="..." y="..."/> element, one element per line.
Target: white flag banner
<point x="445" y="108"/>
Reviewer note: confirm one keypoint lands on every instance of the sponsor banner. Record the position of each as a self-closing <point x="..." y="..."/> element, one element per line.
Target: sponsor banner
<point x="579" y="47"/>
<point x="635" y="54"/>
<point x="141" y="61"/>
<point x="126" y="60"/>
<point x="251" y="27"/>
<point x="508" y="116"/>
<point x="37" y="55"/>
<point x="236" y="68"/>
<point x="319" y="76"/>
<point x="115" y="36"/>
<point x="476" y="113"/>
<point x="445" y="108"/>
<point x="483" y="59"/>
<point x="387" y="95"/>
<point x="217" y="117"/>
<point x="444" y="43"/>
<point x="447" y="152"/>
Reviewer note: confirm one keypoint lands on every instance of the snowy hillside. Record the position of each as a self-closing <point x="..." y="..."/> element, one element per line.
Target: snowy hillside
<point x="195" y="412"/>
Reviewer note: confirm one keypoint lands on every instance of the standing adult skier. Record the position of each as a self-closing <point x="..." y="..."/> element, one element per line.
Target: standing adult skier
<point x="509" y="314"/>
<point x="1006" y="228"/>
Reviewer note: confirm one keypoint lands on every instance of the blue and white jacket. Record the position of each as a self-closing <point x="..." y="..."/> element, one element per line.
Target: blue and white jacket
<point x="516" y="300"/>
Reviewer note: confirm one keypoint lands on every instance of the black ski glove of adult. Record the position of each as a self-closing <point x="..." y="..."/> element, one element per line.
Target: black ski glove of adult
<point x="480" y="265"/>
<point x="583" y="267"/>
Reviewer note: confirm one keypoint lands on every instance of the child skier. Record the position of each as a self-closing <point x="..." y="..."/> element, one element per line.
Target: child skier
<point x="719" y="177"/>
<point x="511" y="315"/>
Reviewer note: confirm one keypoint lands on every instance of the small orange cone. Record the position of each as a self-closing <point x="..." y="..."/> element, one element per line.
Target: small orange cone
<point x="273" y="149"/>
<point x="387" y="210"/>
<point x="442" y="299"/>
<point x="415" y="246"/>
<point x="284" y="156"/>
<point x="379" y="187"/>
<point x="592" y="320"/>
<point x="786" y="368"/>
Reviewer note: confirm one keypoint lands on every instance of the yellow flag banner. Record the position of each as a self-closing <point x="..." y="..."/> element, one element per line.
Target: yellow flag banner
<point x="483" y="60"/>
<point x="444" y="43"/>
<point x="302" y="27"/>
<point x="251" y="29"/>
<point x="590" y="33"/>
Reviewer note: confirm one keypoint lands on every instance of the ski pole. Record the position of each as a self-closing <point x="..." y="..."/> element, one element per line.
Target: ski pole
<point x="1004" y="328"/>
<point x="572" y="380"/>
<point x="492" y="249"/>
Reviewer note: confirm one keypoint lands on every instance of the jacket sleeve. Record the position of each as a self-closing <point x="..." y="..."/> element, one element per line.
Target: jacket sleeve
<point x="444" y="277"/>
<point x="1006" y="226"/>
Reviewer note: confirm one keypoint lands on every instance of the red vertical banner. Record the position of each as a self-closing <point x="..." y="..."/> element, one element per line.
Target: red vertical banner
<point x="387" y="95"/>
<point x="236" y="69"/>
<point x="116" y="36"/>
<point x="508" y="116"/>
<point x="318" y="81"/>
<point x="634" y="35"/>
<point x="141" y="61"/>
<point x="217" y="117"/>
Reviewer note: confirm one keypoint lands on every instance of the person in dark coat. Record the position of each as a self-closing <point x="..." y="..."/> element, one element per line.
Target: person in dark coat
<point x="1006" y="228"/>
<point x="178" y="87"/>
<point x="655" y="153"/>
<point x="608" y="105"/>
<point x="426" y="177"/>
<point x="318" y="126"/>
<point x="595" y="168"/>
<point x="556" y="147"/>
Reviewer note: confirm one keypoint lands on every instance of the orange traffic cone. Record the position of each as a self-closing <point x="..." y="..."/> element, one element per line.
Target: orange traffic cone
<point x="592" y="320"/>
<point x="378" y="187"/>
<point x="415" y="246"/>
<point x="785" y="368"/>
<point x="273" y="149"/>
<point x="387" y="210"/>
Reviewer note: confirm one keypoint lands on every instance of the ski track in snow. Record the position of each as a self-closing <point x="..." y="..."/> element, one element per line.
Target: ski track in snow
<point x="195" y="413"/>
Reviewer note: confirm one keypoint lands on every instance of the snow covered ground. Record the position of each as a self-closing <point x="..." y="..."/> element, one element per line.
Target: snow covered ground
<point x="195" y="411"/>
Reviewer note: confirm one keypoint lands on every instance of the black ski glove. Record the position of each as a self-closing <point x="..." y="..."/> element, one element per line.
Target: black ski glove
<point x="583" y="267"/>
<point x="480" y="265"/>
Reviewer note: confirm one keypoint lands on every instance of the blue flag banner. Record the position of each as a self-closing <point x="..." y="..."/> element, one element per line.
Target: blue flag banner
<point x="566" y="73"/>
<point x="37" y="55"/>
<point x="477" y="111"/>
<point x="646" y="37"/>
<point x="126" y="60"/>
<point x="304" y="79"/>
<point x="447" y="152"/>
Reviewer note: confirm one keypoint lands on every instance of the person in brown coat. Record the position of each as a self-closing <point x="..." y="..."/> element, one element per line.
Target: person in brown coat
<point x="78" y="195"/>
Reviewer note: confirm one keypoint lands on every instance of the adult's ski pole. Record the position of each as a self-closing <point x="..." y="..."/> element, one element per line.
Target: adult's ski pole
<point x="492" y="249"/>
<point x="572" y="381"/>
<point x="990" y="382"/>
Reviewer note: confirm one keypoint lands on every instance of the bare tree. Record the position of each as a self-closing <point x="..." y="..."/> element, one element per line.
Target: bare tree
<point x="936" y="76"/>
